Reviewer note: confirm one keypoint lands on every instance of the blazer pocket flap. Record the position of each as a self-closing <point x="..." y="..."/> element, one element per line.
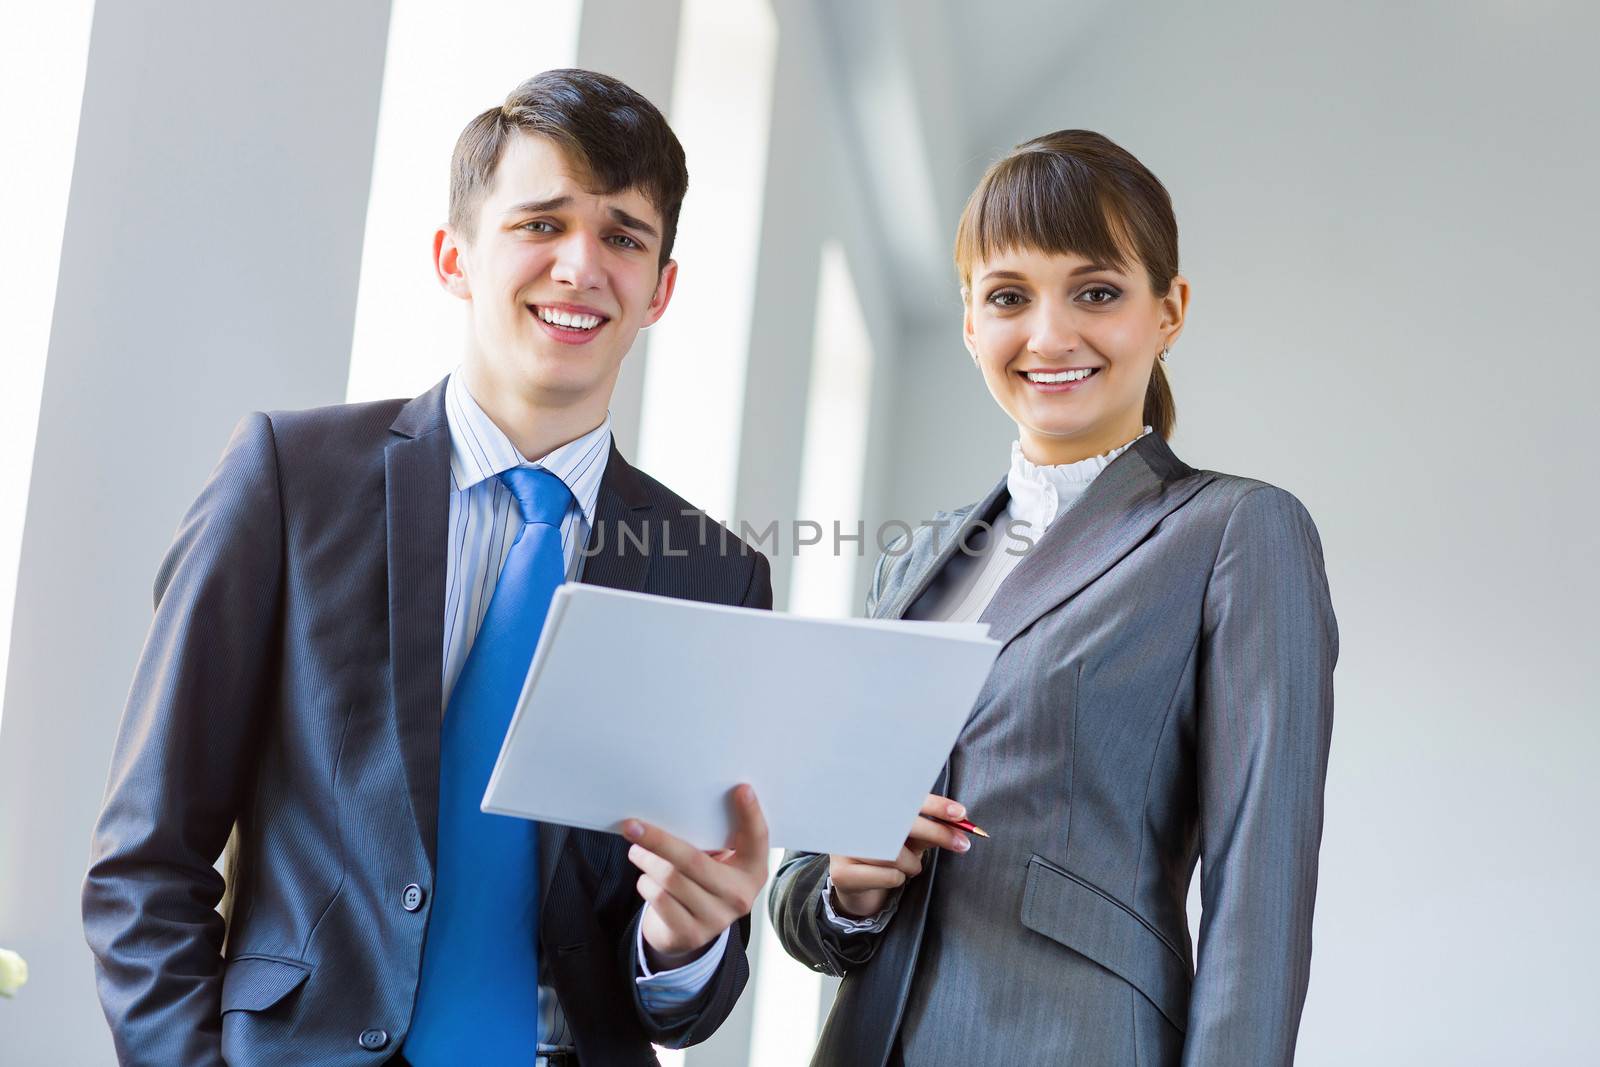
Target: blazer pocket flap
<point x="1084" y="918"/>
<point x="256" y="983"/>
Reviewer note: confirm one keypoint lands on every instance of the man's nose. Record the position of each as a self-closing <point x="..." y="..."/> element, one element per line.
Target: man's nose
<point x="578" y="261"/>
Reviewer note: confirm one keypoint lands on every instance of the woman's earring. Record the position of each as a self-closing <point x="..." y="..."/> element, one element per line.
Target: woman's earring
<point x="1164" y="351"/>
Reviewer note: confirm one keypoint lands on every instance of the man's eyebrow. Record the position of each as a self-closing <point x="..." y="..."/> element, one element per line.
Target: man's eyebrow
<point x="632" y="223"/>
<point x="556" y="203"/>
<point x="536" y="207"/>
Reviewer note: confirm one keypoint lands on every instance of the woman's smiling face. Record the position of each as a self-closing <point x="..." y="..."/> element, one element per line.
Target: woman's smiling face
<point x="1066" y="347"/>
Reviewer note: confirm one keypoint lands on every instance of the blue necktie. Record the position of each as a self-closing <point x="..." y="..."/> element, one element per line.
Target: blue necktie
<point x="478" y="997"/>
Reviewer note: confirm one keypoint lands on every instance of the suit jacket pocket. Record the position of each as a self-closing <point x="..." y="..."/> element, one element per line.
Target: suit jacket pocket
<point x="1069" y="910"/>
<point x="256" y="983"/>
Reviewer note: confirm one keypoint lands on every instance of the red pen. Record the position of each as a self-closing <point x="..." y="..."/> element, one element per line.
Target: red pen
<point x="961" y="824"/>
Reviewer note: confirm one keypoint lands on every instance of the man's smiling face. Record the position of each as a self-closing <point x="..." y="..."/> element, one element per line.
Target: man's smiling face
<point x="560" y="278"/>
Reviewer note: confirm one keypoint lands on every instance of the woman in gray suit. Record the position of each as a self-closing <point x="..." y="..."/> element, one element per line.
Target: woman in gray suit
<point x="1163" y="696"/>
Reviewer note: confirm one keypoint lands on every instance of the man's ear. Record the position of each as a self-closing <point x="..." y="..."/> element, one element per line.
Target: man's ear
<point x="663" y="294"/>
<point x="449" y="263"/>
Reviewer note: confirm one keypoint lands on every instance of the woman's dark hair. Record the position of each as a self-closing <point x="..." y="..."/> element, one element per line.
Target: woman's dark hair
<point x="617" y="137"/>
<point x="1077" y="192"/>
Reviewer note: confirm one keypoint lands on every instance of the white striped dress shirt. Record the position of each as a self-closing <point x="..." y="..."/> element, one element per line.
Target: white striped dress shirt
<point x="484" y="521"/>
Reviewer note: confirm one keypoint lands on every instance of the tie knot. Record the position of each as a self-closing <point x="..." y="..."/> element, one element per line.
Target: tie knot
<point x="541" y="496"/>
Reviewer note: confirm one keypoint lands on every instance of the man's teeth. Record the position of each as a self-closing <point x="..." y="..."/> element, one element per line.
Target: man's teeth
<point x="1060" y="376"/>
<point x="569" y="319"/>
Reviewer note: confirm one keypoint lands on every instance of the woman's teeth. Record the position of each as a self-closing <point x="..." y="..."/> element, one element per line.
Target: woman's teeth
<point x="569" y="319"/>
<point x="1060" y="376"/>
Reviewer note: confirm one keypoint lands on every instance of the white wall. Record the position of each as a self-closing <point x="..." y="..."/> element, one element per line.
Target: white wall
<point x="816" y="190"/>
<point x="41" y="91"/>
<point x="1389" y="219"/>
<point x="208" y="268"/>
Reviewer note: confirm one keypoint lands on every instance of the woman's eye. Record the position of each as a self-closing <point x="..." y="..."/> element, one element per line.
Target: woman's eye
<point x="1100" y="294"/>
<point x="1005" y="298"/>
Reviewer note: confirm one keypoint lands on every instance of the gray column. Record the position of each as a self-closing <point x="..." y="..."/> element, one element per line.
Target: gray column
<point x="209" y="267"/>
<point x="637" y="43"/>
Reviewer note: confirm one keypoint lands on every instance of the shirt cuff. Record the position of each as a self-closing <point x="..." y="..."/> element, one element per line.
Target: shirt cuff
<point x="872" y="924"/>
<point x="668" y="993"/>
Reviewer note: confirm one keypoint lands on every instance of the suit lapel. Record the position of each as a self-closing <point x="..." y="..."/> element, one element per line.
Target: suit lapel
<point x="615" y="562"/>
<point x="417" y="490"/>
<point x="610" y="558"/>
<point x="1121" y="506"/>
<point x="923" y="571"/>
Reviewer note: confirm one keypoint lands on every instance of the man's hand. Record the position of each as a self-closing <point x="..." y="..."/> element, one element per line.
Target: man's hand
<point x="693" y="895"/>
<point x="863" y="886"/>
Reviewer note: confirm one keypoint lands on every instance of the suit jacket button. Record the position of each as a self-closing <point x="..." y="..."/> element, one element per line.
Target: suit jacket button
<point x="374" y="1039"/>
<point x="411" y="897"/>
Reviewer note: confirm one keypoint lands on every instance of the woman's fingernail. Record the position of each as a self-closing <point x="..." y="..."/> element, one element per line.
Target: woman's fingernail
<point x="962" y="844"/>
<point x="956" y="811"/>
<point x="632" y="830"/>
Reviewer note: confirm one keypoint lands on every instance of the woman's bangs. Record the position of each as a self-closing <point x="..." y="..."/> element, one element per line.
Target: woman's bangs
<point x="1044" y="202"/>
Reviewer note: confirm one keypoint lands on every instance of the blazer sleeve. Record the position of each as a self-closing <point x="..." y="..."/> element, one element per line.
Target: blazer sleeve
<point x="795" y="908"/>
<point x="182" y="763"/>
<point x="1267" y="650"/>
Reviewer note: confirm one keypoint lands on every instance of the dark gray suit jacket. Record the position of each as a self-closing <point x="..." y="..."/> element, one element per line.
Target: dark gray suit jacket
<point x="290" y="693"/>
<point x="1164" y="693"/>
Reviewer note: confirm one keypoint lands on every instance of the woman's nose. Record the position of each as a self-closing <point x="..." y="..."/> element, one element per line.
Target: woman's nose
<point x="1053" y="334"/>
<point x="577" y="262"/>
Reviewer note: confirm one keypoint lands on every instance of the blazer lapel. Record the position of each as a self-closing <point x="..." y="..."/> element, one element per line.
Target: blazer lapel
<point x="1125" y="501"/>
<point x="611" y="558"/>
<point x="923" y="571"/>
<point x="417" y="481"/>
<point x="615" y="562"/>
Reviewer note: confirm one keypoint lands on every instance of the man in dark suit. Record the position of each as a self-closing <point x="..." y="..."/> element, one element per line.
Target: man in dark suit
<point x="341" y="630"/>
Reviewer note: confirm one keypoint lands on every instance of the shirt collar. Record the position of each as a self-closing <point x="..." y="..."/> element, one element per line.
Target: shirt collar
<point x="480" y="450"/>
<point x="1041" y="492"/>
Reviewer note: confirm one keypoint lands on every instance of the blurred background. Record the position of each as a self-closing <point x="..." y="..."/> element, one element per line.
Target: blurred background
<point x="1388" y="215"/>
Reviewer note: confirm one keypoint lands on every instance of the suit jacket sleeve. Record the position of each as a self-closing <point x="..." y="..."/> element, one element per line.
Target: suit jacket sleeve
<point x="711" y="1008"/>
<point x="182" y="763"/>
<point x="701" y="1018"/>
<point x="1265" y="717"/>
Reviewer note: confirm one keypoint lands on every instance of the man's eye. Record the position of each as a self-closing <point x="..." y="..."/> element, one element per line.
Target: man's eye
<point x="1005" y="298"/>
<point x="625" y="241"/>
<point x="1100" y="294"/>
<point x="534" y="226"/>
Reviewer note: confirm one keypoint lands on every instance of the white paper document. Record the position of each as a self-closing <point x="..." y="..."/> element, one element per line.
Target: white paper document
<point x="646" y="707"/>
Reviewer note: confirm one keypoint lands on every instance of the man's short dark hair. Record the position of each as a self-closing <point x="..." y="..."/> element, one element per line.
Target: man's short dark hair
<point x="614" y="136"/>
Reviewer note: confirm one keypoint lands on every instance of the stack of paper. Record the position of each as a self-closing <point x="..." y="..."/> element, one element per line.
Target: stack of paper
<point x="646" y="707"/>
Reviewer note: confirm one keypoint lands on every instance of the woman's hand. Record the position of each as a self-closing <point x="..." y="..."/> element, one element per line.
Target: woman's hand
<point x="862" y="886"/>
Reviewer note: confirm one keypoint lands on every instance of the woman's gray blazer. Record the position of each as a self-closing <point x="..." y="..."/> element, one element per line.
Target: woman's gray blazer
<point x="1164" y="695"/>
